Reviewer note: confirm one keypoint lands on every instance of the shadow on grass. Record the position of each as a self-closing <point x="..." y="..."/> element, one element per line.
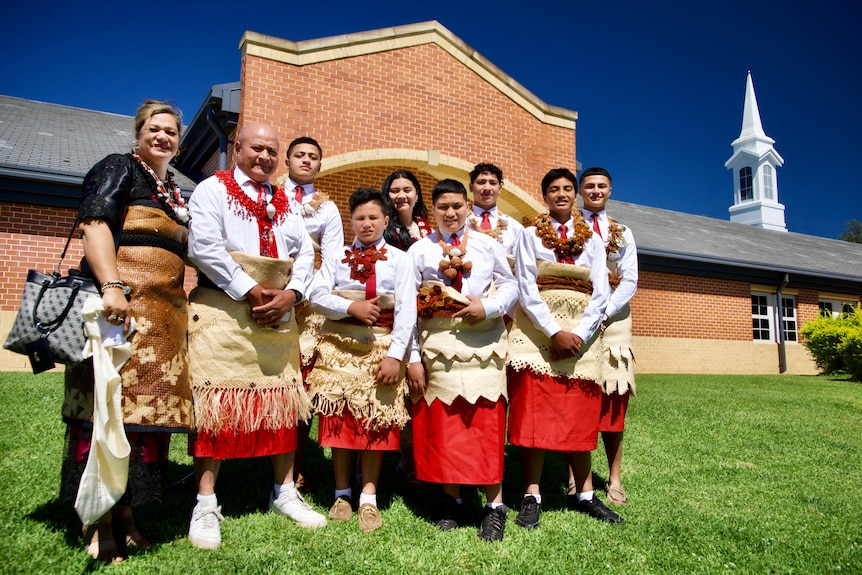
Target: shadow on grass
<point x="424" y="499"/>
<point x="243" y="487"/>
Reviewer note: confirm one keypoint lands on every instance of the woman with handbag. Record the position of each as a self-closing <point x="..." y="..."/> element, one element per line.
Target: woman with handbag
<point x="134" y="226"/>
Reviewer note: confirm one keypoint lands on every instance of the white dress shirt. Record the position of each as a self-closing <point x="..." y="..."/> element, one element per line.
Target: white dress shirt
<point x="529" y="250"/>
<point x="216" y="228"/>
<point x="394" y="275"/>
<point x="509" y="237"/>
<point x="324" y="224"/>
<point x="627" y="265"/>
<point x="489" y="265"/>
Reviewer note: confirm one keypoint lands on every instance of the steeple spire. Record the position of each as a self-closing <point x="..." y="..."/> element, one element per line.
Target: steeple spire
<point x="751" y="125"/>
<point x="754" y="159"/>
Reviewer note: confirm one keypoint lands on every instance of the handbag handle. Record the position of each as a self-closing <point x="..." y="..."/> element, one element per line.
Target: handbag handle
<point x="46" y="327"/>
<point x="66" y="247"/>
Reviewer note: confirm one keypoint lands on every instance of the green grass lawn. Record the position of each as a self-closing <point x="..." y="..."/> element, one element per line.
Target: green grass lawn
<point x="740" y="474"/>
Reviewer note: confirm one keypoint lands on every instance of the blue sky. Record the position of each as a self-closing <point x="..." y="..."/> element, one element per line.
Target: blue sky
<point x="658" y="86"/>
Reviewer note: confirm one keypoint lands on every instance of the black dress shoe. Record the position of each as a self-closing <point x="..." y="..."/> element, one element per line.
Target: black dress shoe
<point x="453" y="514"/>
<point x="595" y="508"/>
<point x="528" y="516"/>
<point x="493" y="524"/>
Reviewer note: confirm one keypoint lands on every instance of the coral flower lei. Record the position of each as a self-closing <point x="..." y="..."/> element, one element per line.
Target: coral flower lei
<point x="569" y="247"/>
<point x="248" y="208"/>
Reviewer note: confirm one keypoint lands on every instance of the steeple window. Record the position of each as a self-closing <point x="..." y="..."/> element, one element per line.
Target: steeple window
<point x="768" y="187"/>
<point x="746" y="187"/>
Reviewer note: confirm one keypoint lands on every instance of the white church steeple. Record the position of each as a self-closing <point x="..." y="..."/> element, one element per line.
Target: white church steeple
<point x="754" y="159"/>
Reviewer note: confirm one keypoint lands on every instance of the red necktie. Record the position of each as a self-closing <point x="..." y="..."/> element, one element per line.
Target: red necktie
<point x="596" y="225"/>
<point x="268" y="246"/>
<point x="486" y="221"/>
<point x="371" y="282"/>
<point x="457" y="283"/>
<point x="563" y="236"/>
<point x="298" y="194"/>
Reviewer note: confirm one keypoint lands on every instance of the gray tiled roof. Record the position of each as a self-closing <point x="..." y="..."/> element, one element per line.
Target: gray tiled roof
<point x="54" y="138"/>
<point x="675" y="234"/>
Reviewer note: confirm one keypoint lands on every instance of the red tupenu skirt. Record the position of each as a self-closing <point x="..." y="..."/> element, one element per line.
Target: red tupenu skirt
<point x="613" y="415"/>
<point x="228" y="444"/>
<point x="346" y="432"/>
<point x="462" y="443"/>
<point x="556" y="414"/>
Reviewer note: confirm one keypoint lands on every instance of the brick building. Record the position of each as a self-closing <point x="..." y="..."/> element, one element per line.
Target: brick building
<point x="417" y="97"/>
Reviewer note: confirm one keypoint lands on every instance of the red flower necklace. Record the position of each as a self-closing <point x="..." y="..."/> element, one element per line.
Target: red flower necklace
<point x="250" y="209"/>
<point x="362" y="260"/>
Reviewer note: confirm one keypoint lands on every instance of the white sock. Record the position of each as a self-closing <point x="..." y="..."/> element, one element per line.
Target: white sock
<point x="280" y="488"/>
<point x="344" y="493"/>
<point x="208" y="500"/>
<point x="370" y="498"/>
<point x="585" y="495"/>
<point x="493" y="505"/>
<point x="538" y="497"/>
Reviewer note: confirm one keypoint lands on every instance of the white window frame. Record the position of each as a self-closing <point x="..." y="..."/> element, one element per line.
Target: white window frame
<point x="790" y="325"/>
<point x="746" y="184"/>
<point x="760" y="316"/>
<point x="768" y="182"/>
<point x="837" y="307"/>
<point x="765" y="319"/>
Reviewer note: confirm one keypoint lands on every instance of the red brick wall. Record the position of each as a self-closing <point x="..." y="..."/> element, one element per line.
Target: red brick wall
<point x="341" y="185"/>
<point x="32" y="237"/>
<point x="807" y="308"/>
<point x="668" y="305"/>
<point x="417" y="98"/>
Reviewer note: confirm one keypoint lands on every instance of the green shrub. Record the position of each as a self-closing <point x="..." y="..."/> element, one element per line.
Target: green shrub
<point x="836" y="343"/>
<point x="851" y="352"/>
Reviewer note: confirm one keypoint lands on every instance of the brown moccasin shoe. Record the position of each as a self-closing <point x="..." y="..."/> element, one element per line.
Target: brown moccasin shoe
<point x="369" y="517"/>
<point x="341" y="510"/>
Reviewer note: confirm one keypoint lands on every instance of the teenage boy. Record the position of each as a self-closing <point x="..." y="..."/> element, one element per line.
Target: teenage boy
<point x="554" y="360"/>
<point x="459" y="413"/>
<point x="486" y="183"/>
<point x="358" y="384"/>
<point x="322" y="221"/>
<point x="618" y="377"/>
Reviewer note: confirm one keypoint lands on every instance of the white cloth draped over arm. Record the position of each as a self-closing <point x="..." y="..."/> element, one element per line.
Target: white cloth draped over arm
<point x="106" y="473"/>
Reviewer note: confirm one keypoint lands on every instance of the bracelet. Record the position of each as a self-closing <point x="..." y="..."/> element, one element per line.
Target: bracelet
<point x="113" y="284"/>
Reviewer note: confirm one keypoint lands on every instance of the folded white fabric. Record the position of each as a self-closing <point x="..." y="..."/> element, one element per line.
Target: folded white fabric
<point x="107" y="471"/>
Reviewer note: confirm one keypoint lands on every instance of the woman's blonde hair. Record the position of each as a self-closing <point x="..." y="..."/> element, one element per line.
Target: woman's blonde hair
<point x="152" y="107"/>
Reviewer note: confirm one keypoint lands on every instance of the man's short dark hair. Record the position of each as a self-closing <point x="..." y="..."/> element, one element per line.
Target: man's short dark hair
<point x="365" y="195"/>
<point x="595" y="172"/>
<point x="304" y="140"/>
<point x="486" y="168"/>
<point x="556" y="174"/>
<point x="447" y="186"/>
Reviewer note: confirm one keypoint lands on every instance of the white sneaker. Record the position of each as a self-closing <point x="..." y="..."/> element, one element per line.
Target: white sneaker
<point x="292" y="504"/>
<point x="204" y="529"/>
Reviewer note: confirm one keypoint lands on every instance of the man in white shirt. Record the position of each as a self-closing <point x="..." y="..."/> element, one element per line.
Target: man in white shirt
<point x="486" y="183"/>
<point x="255" y="261"/>
<point x="618" y="378"/>
<point x="322" y="221"/>
<point x="319" y="214"/>
<point x="554" y="357"/>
